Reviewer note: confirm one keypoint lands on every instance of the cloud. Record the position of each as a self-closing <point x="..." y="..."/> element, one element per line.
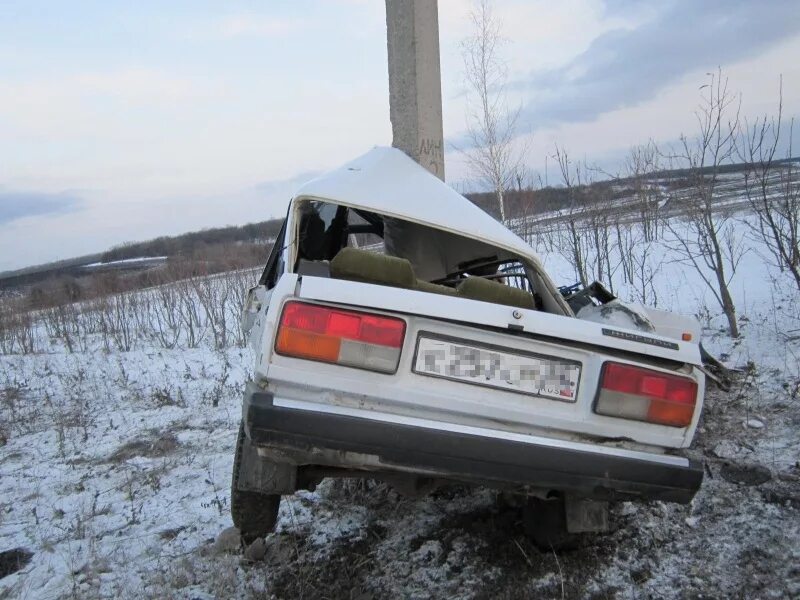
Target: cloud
<point x="626" y="67"/>
<point x="39" y="227"/>
<point x="18" y="205"/>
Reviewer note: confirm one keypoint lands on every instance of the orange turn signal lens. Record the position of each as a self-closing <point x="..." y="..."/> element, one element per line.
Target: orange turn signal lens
<point x="306" y="344"/>
<point x="674" y="414"/>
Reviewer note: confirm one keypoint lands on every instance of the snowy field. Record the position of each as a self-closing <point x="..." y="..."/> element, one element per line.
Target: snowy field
<point x="116" y="450"/>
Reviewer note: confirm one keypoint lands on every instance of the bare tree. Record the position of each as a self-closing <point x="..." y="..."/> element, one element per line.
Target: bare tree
<point x="573" y="243"/>
<point x="638" y="260"/>
<point x="711" y="242"/>
<point x="600" y="218"/>
<point x="527" y="225"/>
<point x="642" y="163"/>
<point x="490" y="124"/>
<point x="635" y="241"/>
<point x="773" y="190"/>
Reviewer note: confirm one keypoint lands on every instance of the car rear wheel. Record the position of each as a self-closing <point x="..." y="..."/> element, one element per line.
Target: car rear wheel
<point x="254" y="514"/>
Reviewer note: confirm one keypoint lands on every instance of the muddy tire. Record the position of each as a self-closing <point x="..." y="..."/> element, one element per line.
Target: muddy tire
<point x="253" y="514"/>
<point x="545" y="523"/>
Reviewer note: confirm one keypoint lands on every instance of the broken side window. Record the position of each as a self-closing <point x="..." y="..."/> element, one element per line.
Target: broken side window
<point x="275" y="267"/>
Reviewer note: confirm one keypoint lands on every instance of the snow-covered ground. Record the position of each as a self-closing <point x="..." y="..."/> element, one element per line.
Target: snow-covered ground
<point x="115" y="469"/>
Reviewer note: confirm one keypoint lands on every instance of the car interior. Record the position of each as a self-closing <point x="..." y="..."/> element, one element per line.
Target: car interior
<point x="348" y="243"/>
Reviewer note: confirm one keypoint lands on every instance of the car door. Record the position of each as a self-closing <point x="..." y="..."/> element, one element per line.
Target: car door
<point x="258" y="297"/>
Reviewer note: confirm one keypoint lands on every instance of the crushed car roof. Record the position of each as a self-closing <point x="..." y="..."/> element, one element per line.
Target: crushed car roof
<point x="386" y="181"/>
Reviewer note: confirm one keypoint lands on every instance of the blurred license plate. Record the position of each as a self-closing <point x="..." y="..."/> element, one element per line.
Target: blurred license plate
<point x="536" y="375"/>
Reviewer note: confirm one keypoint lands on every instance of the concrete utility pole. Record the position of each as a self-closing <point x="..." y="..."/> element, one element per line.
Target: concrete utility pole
<point x="415" y="86"/>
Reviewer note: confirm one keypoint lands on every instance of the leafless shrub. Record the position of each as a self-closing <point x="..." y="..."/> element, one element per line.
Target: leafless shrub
<point x="63" y="323"/>
<point x="164" y="396"/>
<point x="219" y="501"/>
<point x="91" y="316"/>
<point x="238" y="283"/>
<point x="546" y="238"/>
<point x="69" y="412"/>
<point x="7" y="340"/>
<point x="117" y="321"/>
<point x="132" y="488"/>
<point x="217" y="392"/>
<point x="645" y="272"/>
<point x="585" y="230"/>
<point x="642" y="163"/>
<point x="165" y="315"/>
<point x="528" y="227"/>
<point x="19" y="414"/>
<point x="636" y="235"/>
<point x="214" y="296"/>
<point x="58" y="422"/>
<point x="23" y="330"/>
<point x="190" y="313"/>
<point x="171" y="315"/>
<point x="100" y="311"/>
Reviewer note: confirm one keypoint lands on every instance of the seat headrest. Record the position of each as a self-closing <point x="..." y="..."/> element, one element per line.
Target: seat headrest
<point x="371" y="267"/>
<point x="478" y="288"/>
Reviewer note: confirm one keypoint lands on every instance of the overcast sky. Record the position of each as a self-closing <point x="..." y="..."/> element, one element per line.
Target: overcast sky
<point x="125" y="121"/>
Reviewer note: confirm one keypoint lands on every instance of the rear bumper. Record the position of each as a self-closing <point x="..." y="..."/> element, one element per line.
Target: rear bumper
<point x="469" y="454"/>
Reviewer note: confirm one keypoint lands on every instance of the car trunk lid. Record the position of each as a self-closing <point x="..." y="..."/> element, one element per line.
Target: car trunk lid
<point x="568" y="330"/>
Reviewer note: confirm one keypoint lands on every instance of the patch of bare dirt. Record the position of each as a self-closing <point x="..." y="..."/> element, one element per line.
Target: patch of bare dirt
<point x="154" y="444"/>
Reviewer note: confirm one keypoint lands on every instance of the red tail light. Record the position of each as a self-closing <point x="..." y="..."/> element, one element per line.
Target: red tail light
<point x="632" y="392"/>
<point x="345" y="337"/>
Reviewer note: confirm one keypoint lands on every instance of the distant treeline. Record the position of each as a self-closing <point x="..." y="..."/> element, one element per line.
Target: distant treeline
<point x="195" y="242"/>
<point x="195" y="254"/>
<point x="526" y="201"/>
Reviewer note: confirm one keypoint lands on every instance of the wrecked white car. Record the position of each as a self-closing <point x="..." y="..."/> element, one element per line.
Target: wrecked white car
<point x="400" y="333"/>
